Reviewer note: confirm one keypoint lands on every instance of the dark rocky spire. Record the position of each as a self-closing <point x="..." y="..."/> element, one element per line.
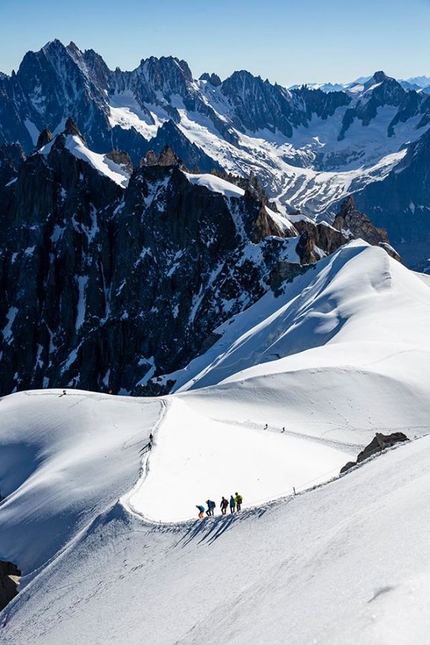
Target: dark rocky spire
<point x="44" y="138"/>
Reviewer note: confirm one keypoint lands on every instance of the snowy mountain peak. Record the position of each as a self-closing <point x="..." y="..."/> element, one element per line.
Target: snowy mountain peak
<point x="309" y="148"/>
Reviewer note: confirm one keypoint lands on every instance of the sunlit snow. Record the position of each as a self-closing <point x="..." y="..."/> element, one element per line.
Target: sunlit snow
<point x="106" y="530"/>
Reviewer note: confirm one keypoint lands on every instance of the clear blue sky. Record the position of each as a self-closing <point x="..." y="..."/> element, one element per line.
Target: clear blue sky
<point x="287" y="41"/>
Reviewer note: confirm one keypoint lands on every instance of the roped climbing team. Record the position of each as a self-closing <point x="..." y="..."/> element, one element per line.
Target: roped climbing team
<point x="235" y="504"/>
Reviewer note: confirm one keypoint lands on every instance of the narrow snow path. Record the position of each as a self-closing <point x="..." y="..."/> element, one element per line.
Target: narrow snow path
<point x="127" y="500"/>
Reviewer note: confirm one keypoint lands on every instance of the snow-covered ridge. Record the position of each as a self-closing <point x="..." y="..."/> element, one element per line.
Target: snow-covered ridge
<point x="215" y="184"/>
<point x="99" y="162"/>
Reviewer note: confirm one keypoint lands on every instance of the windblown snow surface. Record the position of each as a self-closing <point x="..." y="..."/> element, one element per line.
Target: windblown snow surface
<point x="106" y="531"/>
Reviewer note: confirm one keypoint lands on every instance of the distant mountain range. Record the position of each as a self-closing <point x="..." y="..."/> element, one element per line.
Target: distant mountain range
<point x="309" y="148"/>
<point x="417" y="83"/>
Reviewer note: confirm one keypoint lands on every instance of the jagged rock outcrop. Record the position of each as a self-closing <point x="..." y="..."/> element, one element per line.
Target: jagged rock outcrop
<point x="317" y="240"/>
<point x="44" y="138"/>
<point x="72" y="128"/>
<point x="213" y="79"/>
<point x="379" y="443"/>
<point x="166" y="158"/>
<point x="170" y="135"/>
<point x="106" y="288"/>
<point x="9" y="578"/>
<point x="356" y="224"/>
<point x="122" y="158"/>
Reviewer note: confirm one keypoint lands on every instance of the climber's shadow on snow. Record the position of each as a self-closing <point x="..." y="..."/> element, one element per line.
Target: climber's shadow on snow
<point x="210" y="529"/>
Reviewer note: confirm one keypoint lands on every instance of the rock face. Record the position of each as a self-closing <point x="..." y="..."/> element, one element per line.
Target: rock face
<point x="317" y="240"/>
<point x="106" y="288"/>
<point x="378" y="444"/>
<point x="109" y="289"/>
<point x="355" y="224"/>
<point x="9" y="578"/>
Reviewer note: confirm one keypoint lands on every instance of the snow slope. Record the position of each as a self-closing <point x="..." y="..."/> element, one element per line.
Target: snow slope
<point x="215" y="184"/>
<point x="105" y="530"/>
<point x="358" y="309"/>
<point x="345" y="563"/>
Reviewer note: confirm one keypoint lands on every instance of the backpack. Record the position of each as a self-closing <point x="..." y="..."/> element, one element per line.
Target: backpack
<point x="239" y="499"/>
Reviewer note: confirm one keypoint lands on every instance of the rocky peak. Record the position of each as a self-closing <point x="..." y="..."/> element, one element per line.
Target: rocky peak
<point x="213" y="79"/>
<point x="92" y="65"/>
<point x="54" y="47"/>
<point x="317" y="240"/>
<point x="169" y="134"/>
<point x="122" y="158"/>
<point x="44" y="138"/>
<point x="355" y="224"/>
<point x="72" y="129"/>
<point x="388" y="90"/>
<point x="380" y="77"/>
<point x="166" y="158"/>
<point x="166" y="74"/>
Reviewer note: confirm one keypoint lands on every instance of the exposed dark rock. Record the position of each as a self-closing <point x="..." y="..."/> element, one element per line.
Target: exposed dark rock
<point x="170" y="135"/>
<point x="122" y="158"/>
<point x="349" y="224"/>
<point x="9" y="578"/>
<point x="379" y="443"/>
<point x="347" y="466"/>
<point x="151" y="159"/>
<point x="167" y="157"/>
<point x="44" y="138"/>
<point x="285" y="272"/>
<point x="356" y="225"/>
<point x="72" y="129"/>
<point x="317" y="239"/>
<point x="213" y="79"/>
<point x="105" y="286"/>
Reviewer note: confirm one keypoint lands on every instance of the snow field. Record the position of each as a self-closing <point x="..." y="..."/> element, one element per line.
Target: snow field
<point x="196" y="458"/>
<point x="346" y="562"/>
<point x="63" y="460"/>
<point x="105" y="531"/>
